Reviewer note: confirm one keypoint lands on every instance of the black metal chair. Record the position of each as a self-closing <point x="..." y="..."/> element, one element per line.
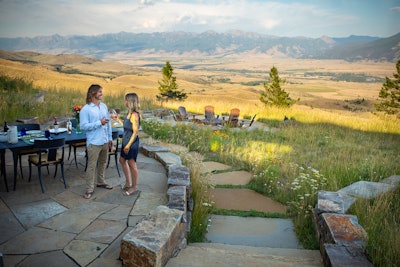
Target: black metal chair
<point x="75" y="145"/>
<point x="113" y="152"/>
<point x="28" y="151"/>
<point x="50" y="152"/>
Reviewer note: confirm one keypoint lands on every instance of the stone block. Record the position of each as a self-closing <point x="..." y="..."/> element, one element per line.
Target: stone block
<point x="339" y="256"/>
<point x="179" y="175"/>
<point x="168" y="158"/>
<point x="150" y="151"/>
<point x="177" y="198"/>
<point x="155" y="239"/>
<point x="366" y="190"/>
<point x="330" y="202"/>
<point x="343" y="229"/>
<point x="392" y="180"/>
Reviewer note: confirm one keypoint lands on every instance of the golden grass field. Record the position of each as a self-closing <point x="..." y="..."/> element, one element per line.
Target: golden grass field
<point x="219" y="81"/>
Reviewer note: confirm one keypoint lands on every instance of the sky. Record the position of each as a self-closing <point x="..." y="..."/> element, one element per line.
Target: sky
<point x="285" y="18"/>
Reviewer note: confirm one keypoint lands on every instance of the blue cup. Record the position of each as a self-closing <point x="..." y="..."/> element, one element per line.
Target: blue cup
<point x="47" y="134"/>
<point x="23" y="131"/>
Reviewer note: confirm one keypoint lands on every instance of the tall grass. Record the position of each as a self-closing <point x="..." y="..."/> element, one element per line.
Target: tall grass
<point x="19" y="98"/>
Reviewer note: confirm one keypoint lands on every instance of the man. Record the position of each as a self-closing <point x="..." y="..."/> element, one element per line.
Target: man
<point x="94" y="121"/>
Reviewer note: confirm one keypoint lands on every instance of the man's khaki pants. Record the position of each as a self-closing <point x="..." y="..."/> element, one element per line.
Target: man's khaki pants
<point x="97" y="158"/>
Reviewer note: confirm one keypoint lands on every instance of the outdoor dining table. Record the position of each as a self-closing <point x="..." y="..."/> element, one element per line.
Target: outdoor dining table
<point x="27" y="142"/>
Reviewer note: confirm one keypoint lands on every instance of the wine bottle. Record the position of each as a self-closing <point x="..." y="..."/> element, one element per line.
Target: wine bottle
<point x="55" y="125"/>
<point x="69" y="126"/>
<point x="5" y="127"/>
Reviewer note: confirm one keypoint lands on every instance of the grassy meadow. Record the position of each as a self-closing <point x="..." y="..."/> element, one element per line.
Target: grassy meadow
<point x="334" y="139"/>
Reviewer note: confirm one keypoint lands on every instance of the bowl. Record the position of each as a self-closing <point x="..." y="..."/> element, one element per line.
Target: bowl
<point x="3" y="137"/>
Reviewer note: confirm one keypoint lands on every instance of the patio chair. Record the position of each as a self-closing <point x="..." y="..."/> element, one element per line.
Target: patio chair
<point x="50" y="152"/>
<point x="182" y="115"/>
<point x="233" y="120"/>
<point x="209" y="116"/>
<point x="114" y="151"/>
<point x="75" y="145"/>
<point x="26" y="151"/>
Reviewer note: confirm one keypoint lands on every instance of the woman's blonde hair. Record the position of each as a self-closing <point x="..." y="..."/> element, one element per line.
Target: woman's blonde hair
<point x="132" y="103"/>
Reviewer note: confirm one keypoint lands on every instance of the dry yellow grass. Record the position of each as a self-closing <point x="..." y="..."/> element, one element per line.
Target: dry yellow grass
<point x="214" y="81"/>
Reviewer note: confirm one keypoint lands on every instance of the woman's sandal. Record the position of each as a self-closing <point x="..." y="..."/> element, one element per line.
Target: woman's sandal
<point x="126" y="193"/>
<point x="106" y="186"/>
<point x="126" y="187"/>
<point x="88" y="194"/>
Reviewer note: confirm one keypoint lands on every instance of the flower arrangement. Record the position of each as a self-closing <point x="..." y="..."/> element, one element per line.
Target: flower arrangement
<point x="76" y="110"/>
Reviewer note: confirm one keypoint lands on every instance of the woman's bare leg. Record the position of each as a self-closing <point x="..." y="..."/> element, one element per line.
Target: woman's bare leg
<point x="134" y="171"/>
<point x="127" y="172"/>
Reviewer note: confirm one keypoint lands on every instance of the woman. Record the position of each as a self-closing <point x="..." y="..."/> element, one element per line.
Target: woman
<point x="130" y="143"/>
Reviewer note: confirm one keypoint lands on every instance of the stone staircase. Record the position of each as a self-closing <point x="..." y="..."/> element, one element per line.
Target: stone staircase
<point x="240" y="241"/>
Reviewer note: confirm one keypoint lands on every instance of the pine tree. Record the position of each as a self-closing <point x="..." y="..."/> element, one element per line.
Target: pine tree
<point x="168" y="87"/>
<point x="390" y="94"/>
<point x="273" y="94"/>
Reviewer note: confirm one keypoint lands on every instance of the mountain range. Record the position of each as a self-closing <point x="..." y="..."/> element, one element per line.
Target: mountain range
<point x="211" y="43"/>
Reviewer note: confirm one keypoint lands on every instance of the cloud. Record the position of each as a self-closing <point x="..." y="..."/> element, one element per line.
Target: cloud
<point x="396" y="9"/>
<point x="90" y="17"/>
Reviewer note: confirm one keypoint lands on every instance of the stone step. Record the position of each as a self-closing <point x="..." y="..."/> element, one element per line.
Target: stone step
<point x="244" y="200"/>
<point x="221" y="255"/>
<point x="252" y="231"/>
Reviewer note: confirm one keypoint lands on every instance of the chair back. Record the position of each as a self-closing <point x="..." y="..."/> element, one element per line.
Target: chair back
<point x="209" y="113"/>
<point x="51" y="145"/>
<point x="182" y="114"/>
<point x="28" y="126"/>
<point x="234" y="117"/>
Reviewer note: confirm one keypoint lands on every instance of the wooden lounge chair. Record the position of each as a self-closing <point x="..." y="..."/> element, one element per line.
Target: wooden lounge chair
<point x="209" y="116"/>
<point x="233" y="120"/>
<point x="182" y="115"/>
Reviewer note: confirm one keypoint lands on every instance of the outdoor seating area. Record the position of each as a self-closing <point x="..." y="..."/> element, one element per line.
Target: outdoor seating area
<point x="208" y="118"/>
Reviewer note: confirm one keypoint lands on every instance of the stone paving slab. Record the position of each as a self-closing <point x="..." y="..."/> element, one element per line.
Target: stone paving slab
<point x="252" y="231"/>
<point x="77" y="219"/>
<point x="119" y="213"/>
<point x="116" y="196"/>
<point x="37" y="212"/>
<point x="231" y="178"/>
<point x="147" y="202"/>
<point x="9" y="226"/>
<point x="149" y="181"/>
<point x="210" y="166"/>
<point x="244" y="199"/>
<point x="26" y="243"/>
<point x="52" y="258"/>
<point x="102" y="231"/>
<point x="70" y="198"/>
<point x="113" y="250"/>
<point x="84" y="252"/>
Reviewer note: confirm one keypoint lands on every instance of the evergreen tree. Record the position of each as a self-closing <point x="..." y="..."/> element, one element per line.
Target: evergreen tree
<point x="168" y="87"/>
<point x="390" y="94"/>
<point x="273" y="94"/>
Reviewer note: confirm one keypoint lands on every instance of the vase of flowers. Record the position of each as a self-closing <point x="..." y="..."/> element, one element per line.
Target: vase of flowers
<point x="76" y="110"/>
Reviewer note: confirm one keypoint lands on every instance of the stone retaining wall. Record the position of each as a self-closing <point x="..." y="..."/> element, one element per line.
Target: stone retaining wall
<point x="342" y="239"/>
<point x="161" y="234"/>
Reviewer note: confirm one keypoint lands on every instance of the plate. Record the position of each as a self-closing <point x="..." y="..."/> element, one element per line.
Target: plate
<point x="34" y="132"/>
<point x="60" y="130"/>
